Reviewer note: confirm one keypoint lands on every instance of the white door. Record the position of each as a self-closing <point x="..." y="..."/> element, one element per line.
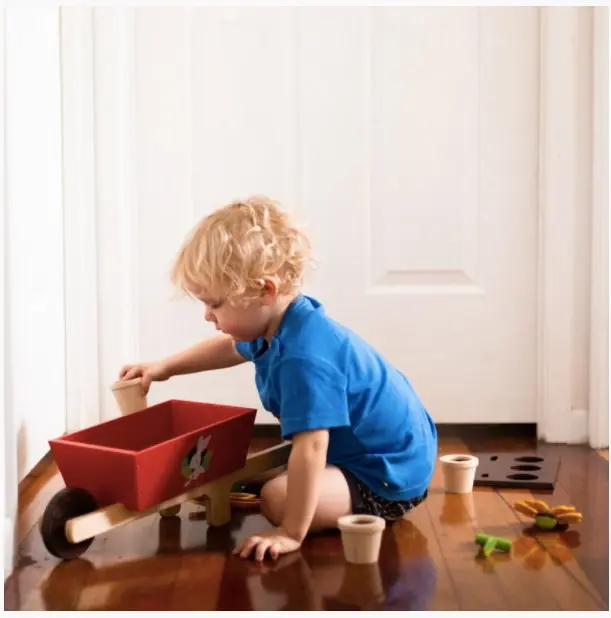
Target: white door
<point x="406" y="137"/>
<point x="419" y="180"/>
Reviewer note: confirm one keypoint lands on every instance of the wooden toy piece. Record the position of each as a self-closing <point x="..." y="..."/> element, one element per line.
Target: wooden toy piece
<point x="458" y="473"/>
<point x="546" y="518"/>
<point x="517" y="470"/>
<point x="238" y="500"/>
<point x="217" y="500"/>
<point x="361" y="537"/>
<point x="489" y="543"/>
<point x="129" y="395"/>
<point x="245" y="501"/>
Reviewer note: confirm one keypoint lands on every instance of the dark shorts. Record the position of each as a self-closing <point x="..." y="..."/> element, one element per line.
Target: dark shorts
<point x="365" y="502"/>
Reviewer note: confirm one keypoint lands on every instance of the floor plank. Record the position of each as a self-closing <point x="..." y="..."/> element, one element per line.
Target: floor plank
<point x="428" y="561"/>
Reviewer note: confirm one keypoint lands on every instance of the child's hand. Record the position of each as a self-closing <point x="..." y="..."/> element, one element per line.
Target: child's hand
<point x="276" y="541"/>
<point x="150" y="372"/>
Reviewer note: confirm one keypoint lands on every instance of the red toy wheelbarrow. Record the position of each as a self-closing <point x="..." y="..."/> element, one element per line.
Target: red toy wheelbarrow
<point x="148" y="461"/>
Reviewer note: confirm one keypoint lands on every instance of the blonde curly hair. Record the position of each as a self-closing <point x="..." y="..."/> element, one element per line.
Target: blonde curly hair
<point x="232" y="250"/>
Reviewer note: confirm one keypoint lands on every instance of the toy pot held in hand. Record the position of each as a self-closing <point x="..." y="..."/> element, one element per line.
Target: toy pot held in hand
<point x="129" y="395"/>
<point x="361" y="537"/>
<point x="459" y="473"/>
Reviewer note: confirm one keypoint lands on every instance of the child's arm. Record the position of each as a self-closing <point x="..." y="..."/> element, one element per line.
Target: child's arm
<point x="306" y="463"/>
<point x="215" y="353"/>
<point x="305" y="469"/>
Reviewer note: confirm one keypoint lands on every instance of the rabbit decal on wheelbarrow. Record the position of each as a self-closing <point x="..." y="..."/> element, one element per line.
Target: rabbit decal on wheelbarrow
<point x="197" y="461"/>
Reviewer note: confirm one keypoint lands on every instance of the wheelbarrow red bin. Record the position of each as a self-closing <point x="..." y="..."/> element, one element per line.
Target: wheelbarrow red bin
<point x="155" y="454"/>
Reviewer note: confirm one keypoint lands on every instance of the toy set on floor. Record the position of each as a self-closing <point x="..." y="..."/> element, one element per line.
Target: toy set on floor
<point x="153" y="459"/>
<point x="530" y="471"/>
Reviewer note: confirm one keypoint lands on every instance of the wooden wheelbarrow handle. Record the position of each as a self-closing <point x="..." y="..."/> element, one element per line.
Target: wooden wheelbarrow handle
<point x="216" y="494"/>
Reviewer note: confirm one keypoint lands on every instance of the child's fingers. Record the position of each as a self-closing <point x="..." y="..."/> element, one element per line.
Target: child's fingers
<point x="238" y="548"/>
<point x="247" y="546"/>
<point x="134" y="372"/>
<point x="274" y="551"/>
<point x="145" y="383"/>
<point x="124" y="371"/>
<point x="262" y="547"/>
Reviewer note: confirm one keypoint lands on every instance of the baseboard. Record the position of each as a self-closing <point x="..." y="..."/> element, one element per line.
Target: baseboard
<point x="266" y="430"/>
<point x="487" y="430"/>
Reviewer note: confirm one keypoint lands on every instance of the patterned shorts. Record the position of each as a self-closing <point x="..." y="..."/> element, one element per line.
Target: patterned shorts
<point x="365" y="502"/>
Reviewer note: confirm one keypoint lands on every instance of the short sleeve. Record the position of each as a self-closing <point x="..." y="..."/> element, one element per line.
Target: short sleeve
<point x="312" y="395"/>
<point x="247" y="349"/>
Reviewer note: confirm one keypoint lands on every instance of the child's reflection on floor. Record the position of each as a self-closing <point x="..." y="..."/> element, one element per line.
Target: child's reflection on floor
<point x="312" y="579"/>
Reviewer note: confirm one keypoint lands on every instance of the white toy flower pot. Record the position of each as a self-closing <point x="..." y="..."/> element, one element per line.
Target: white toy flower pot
<point x="129" y="395"/>
<point x="459" y="473"/>
<point x="361" y="537"/>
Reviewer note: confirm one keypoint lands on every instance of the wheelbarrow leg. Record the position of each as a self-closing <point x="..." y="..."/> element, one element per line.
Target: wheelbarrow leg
<point x="217" y="502"/>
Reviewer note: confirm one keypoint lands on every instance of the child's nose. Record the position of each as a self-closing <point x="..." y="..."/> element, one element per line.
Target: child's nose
<point x="208" y="315"/>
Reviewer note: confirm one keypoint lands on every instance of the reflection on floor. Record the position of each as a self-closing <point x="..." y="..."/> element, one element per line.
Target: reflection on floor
<point x="428" y="560"/>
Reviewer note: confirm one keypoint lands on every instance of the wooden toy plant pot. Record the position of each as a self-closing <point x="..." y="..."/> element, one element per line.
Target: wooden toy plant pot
<point x="459" y="473"/>
<point x="129" y="395"/>
<point x="361" y="537"/>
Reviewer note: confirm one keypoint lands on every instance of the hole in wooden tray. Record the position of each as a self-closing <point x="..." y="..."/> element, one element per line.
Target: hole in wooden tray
<point x="485" y="476"/>
<point x="529" y="458"/>
<point x="494" y="458"/>
<point x="525" y="467"/>
<point x="522" y="477"/>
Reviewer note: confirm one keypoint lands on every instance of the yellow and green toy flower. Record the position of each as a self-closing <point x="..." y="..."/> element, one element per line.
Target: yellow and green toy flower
<point x="546" y="518"/>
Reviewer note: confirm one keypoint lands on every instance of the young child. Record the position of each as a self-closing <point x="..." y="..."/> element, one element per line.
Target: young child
<point x="362" y="441"/>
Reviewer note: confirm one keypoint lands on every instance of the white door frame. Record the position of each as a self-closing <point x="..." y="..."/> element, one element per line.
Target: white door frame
<point x="561" y="150"/>
<point x="99" y="181"/>
<point x="599" y="316"/>
<point x="558" y="179"/>
<point x="80" y="226"/>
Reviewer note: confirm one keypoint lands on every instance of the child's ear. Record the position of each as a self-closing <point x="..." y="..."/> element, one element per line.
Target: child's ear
<point x="269" y="290"/>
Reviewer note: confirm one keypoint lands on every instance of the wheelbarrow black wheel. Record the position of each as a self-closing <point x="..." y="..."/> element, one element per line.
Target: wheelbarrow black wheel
<point x="66" y="504"/>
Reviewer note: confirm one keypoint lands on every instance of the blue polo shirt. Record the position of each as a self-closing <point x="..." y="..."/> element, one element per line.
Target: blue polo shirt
<point x="318" y="374"/>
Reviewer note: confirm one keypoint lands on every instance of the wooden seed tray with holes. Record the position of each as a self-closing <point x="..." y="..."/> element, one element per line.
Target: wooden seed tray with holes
<point x="518" y="470"/>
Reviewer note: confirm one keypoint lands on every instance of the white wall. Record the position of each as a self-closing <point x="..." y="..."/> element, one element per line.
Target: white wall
<point x="33" y="285"/>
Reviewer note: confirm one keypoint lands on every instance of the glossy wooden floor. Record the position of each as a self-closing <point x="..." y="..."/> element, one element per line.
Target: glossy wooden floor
<point x="428" y="560"/>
